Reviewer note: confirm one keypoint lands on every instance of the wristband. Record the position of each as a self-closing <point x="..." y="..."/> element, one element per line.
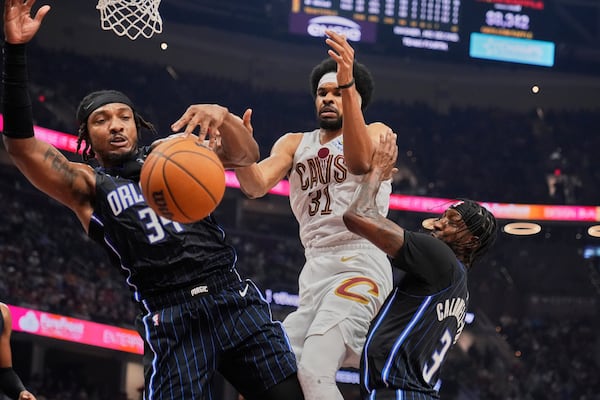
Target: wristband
<point x="347" y="85"/>
<point x="16" y="103"/>
<point x="10" y="383"/>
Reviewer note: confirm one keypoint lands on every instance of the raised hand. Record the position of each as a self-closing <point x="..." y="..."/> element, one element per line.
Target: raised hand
<point x="343" y="54"/>
<point x="385" y="155"/>
<point x="19" y="26"/>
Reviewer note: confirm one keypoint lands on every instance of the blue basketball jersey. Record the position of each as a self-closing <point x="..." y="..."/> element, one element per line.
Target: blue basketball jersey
<point x="155" y="254"/>
<point x="198" y="315"/>
<point x="410" y="337"/>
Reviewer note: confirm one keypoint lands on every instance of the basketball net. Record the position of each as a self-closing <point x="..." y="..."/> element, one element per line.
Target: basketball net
<point x="130" y="18"/>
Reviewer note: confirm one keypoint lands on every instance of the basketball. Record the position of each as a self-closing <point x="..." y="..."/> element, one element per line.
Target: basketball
<point x="183" y="180"/>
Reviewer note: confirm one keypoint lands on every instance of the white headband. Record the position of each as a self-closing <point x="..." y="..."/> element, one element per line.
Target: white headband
<point x="331" y="77"/>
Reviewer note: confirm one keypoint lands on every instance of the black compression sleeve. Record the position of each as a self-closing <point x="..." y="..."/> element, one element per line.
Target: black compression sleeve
<point x="16" y="103"/>
<point x="10" y="383"/>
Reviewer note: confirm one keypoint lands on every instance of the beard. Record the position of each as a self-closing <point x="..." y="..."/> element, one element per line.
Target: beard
<point x="331" y="124"/>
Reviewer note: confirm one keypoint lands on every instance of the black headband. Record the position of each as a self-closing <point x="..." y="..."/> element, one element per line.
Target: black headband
<point x="95" y="100"/>
<point x="474" y="216"/>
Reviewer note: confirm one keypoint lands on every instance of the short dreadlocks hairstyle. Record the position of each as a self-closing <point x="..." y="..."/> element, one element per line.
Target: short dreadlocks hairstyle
<point x="93" y="101"/>
<point x="480" y="222"/>
<point x="362" y="76"/>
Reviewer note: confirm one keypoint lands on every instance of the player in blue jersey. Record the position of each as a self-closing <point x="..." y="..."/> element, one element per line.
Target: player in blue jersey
<point x="197" y="315"/>
<point x="425" y="313"/>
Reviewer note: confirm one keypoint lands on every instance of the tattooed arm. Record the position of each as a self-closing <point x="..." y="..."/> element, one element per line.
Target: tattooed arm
<point x="70" y="183"/>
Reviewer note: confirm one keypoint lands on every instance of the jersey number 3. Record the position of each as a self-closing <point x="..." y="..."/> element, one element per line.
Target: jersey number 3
<point x="438" y="357"/>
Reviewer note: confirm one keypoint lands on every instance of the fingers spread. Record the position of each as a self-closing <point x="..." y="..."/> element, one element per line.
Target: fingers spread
<point x="207" y="118"/>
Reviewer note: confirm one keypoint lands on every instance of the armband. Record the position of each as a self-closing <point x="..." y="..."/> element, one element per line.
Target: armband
<point x="347" y="85"/>
<point x="10" y="383"/>
<point x="16" y="103"/>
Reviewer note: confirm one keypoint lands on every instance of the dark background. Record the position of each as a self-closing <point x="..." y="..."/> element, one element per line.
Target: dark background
<point x="465" y="128"/>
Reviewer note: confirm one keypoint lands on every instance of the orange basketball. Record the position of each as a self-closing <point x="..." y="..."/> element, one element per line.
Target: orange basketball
<point x="183" y="180"/>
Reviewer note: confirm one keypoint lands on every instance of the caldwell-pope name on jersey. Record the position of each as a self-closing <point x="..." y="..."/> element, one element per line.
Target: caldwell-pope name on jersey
<point x="455" y="307"/>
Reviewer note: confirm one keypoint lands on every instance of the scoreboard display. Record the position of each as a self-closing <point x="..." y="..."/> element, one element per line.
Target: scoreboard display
<point x="518" y="31"/>
<point x="511" y="31"/>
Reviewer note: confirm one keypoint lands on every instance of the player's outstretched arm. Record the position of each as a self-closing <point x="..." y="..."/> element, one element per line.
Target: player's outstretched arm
<point x="237" y="145"/>
<point x="358" y="139"/>
<point x="258" y="178"/>
<point x="44" y="166"/>
<point x="362" y="216"/>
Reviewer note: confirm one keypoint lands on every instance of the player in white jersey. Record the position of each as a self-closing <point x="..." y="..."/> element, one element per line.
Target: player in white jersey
<point x="345" y="278"/>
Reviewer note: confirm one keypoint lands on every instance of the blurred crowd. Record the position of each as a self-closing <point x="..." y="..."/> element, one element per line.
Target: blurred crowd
<point x="71" y="384"/>
<point x="488" y="154"/>
<point x="535" y="306"/>
<point x="545" y="359"/>
<point x="513" y="350"/>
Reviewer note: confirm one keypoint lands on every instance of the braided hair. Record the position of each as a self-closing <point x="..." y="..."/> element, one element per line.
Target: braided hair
<point x="93" y="101"/>
<point x="481" y="223"/>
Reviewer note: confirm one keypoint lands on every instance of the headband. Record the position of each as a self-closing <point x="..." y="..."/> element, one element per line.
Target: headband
<point x="95" y="100"/>
<point x="331" y="77"/>
<point x="473" y="215"/>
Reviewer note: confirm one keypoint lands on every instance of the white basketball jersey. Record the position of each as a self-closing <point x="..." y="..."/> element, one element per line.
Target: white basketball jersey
<point x="322" y="188"/>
